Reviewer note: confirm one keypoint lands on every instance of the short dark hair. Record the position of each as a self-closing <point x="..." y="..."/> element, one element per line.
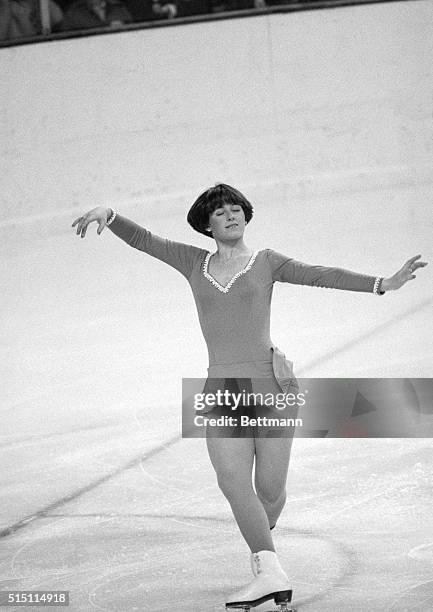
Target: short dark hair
<point x="210" y="200"/>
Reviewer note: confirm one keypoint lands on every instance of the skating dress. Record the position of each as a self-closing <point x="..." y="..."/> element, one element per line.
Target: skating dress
<point x="235" y="318"/>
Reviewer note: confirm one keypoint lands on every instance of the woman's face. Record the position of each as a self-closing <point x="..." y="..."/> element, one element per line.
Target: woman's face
<point x="227" y="222"/>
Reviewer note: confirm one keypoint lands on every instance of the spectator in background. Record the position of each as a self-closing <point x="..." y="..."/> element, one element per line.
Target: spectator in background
<point x="140" y="10"/>
<point x="283" y="2"/>
<point x="219" y="6"/>
<point x="187" y="8"/>
<point x="21" y="18"/>
<point x="164" y="9"/>
<point x="149" y="10"/>
<point x="84" y="14"/>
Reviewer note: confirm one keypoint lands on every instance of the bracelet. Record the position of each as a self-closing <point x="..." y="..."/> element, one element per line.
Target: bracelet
<point x="113" y="216"/>
<point x="378" y="286"/>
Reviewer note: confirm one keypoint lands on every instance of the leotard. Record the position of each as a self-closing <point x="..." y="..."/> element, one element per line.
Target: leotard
<point x="235" y="318"/>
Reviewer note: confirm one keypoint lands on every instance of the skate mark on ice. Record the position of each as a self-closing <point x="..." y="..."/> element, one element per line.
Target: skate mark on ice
<point x="364" y="336"/>
<point x="397" y="604"/>
<point x="83" y="490"/>
<point x="56" y="434"/>
<point x="424" y="551"/>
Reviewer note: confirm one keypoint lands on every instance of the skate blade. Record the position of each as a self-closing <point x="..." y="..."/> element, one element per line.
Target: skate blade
<point x="282" y="602"/>
<point x="281" y="608"/>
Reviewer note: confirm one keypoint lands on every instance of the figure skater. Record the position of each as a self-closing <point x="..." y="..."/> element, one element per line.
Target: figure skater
<point x="232" y="288"/>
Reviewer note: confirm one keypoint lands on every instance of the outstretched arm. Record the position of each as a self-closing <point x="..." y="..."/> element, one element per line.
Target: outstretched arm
<point x="285" y="269"/>
<point x="181" y="256"/>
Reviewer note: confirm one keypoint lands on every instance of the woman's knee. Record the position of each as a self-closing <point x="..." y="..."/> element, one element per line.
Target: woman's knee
<point x="231" y="482"/>
<point x="232" y="460"/>
<point x="271" y="493"/>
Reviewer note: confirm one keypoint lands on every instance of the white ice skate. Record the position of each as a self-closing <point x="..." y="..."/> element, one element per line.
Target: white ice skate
<point x="270" y="582"/>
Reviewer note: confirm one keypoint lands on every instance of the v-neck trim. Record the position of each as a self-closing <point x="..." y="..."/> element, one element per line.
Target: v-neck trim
<point x="226" y="288"/>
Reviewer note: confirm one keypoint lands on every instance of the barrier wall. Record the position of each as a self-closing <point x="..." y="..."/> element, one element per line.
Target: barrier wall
<point x="309" y="101"/>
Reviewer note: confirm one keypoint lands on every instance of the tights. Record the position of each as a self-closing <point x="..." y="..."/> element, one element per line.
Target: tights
<point x="254" y="511"/>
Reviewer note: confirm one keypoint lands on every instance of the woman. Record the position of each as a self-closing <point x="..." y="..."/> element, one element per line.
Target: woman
<point x="232" y="289"/>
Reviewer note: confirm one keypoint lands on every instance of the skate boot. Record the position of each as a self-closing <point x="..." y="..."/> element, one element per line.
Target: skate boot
<point x="253" y="564"/>
<point x="270" y="582"/>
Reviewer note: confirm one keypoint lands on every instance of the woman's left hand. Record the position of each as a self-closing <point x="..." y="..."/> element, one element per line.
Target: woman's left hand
<point x="405" y="274"/>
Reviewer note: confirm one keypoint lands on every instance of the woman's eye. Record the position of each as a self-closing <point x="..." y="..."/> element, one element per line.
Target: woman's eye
<point x="218" y="213"/>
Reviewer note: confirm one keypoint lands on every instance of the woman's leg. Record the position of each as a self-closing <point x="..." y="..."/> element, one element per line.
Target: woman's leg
<point x="272" y="463"/>
<point x="232" y="459"/>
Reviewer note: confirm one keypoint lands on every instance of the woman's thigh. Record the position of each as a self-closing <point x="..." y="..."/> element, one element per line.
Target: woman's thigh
<point x="232" y="458"/>
<point x="272" y="463"/>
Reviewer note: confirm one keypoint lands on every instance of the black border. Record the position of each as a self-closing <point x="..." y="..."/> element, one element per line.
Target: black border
<point x="292" y="8"/>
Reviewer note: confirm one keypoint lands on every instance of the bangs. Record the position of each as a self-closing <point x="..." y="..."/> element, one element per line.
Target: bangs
<point x="217" y="196"/>
<point x="213" y="198"/>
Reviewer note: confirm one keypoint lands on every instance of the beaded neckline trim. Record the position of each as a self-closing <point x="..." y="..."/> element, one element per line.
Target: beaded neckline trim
<point x="226" y="288"/>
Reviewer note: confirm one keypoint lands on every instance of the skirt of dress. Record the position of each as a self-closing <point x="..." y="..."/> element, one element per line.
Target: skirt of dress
<point x="265" y="392"/>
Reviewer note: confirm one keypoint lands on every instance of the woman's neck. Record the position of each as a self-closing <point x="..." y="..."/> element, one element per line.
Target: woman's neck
<point x="226" y="251"/>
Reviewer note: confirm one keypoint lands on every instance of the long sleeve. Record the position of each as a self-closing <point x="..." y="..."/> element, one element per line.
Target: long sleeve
<point x="181" y="256"/>
<point x="287" y="270"/>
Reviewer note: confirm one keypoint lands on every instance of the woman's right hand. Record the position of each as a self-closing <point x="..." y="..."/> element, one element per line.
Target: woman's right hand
<point x="99" y="214"/>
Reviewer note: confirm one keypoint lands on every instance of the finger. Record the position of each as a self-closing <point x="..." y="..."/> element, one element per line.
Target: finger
<point x="80" y="220"/>
<point x="414" y="266"/>
<point x="412" y="259"/>
<point x="84" y="229"/>
<point x="80" y="223"/>
<point x="84" y="223"/>
<point x="76" y="221"/>
<point x="80" y="226"/>
<point x="411" y="264"/>
<point x="101" y="227"/>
